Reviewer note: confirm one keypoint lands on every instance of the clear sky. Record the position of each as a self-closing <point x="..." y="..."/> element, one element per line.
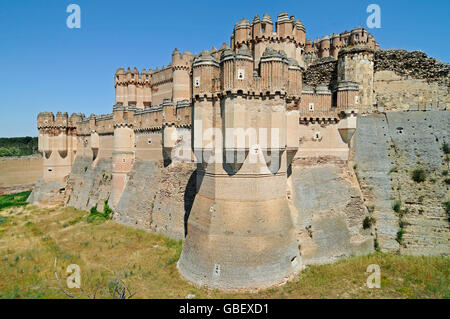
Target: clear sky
<point x="45" y="66"/>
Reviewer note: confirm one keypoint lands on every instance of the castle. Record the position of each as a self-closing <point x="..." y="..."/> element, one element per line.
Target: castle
<point x="239" y="117"/>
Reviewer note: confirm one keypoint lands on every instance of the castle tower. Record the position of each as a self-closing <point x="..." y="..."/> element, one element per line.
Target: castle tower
<point x="335" y="45"/>
<point x="144" y="92"/>
<point x="57" y="143"/>
<point x="123" y="154"/>
<point x="261" y="38"/>
<point x="324" y="45"/>
<point x="357" y="65"/>
<point x="181" y="67"/>
<point x="121" y="87"/>
<point x="240" y="233"/>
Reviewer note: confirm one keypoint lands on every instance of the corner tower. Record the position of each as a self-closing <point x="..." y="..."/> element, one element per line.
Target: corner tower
<point x="240" y="233"/>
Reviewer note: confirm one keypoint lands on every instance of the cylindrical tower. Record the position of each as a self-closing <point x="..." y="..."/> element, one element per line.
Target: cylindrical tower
<point x="181" y="67"/>
<point x="123" y="154"/>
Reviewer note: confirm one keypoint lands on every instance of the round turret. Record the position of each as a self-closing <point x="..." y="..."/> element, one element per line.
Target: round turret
<point x="324" y="44"/>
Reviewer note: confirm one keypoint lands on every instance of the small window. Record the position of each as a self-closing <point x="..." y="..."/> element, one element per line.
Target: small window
<point x="216" y="270"/>
<point x="197" y="81"/>
<point x="132" y="75"/>
<point x="399" y="130"/>
<point x="346" y="41"/>
<point x="317" y="136"/>
<point x="123" y="160"/>
<point x="311" y="106"/>
<point x="149" y="140"/>
<point x="50" y="169"/>
<point x="357" y="37"/>
<point x="117" y="77"/>
<point x="357" y="99"/>
<point x="263" y="27"/>
<point x="146" y="76"/>
<point x="240" y="74"/>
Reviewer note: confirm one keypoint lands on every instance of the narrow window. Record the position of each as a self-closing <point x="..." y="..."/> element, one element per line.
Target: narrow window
<point x="240" y="74"/>
<point x="357" y="99"/>
<point x="197" y="82"/>
<point x="311" y="106"/>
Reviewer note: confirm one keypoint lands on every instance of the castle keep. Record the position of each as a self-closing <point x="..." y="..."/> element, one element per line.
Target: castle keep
<point x="239" y="152"/>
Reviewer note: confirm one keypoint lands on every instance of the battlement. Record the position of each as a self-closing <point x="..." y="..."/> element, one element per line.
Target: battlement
<point x="330" y="45"/>
<point x="285" y="29"/>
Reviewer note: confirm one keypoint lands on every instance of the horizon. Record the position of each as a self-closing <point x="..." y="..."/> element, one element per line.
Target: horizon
<point x="75" y="67"/>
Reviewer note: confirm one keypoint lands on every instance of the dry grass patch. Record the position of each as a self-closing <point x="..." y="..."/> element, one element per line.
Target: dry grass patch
<point x="31" y="238"/>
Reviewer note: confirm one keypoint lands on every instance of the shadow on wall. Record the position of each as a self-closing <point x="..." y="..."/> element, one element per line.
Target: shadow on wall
<point x="191" y="190"/>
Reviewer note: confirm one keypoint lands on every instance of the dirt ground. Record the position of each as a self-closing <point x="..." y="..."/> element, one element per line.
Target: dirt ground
<point x="19" y="173"/>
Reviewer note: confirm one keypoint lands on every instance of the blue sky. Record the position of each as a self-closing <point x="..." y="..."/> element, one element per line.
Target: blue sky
<point x="47" y="66"/>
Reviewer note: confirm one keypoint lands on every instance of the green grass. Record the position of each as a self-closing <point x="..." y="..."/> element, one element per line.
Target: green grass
<point x="18" y="199"/>
<point x="397" y="206"/>
<point x="418" y="175"/>
<point x="98" y="217"/>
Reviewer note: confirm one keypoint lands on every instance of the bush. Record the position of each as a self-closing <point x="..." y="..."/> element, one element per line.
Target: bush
<point x="447" y="209"/>
<point x="18" y="146"/>
<point x="445" y="173"/>
<point x="447" y="181"/>
<point x="418" y="175"/>
<point x="400" y="233"/>
<point x="98" y="217"/>
<point x="368" y="222"/>
<point x="376" y="245"/>
<point x="445" y="148"/>
<point x="397" y="206"/>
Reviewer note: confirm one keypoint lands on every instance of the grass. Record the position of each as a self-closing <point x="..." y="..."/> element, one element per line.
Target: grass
<point x="31" y="238"/>
<point x="418" y="175"/>
<point x="18" y="199"/>
<point x="397" y="206"/>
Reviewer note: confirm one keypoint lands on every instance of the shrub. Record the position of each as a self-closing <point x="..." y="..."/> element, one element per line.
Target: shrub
<point x="445" y="172"/>
<point x="445" y="148"/>
<point x="420" y="199"/>
<point x="400" y="233"/>
<point x="447" y="209"/>
<point x="418" y="175"/>
<point x="376" y="245"/>
<point x="98" y="217"/>
<point x="447" y="181"/>
<point x="368" y="222"/>
<point x="85" y="168"/>
<point x="397" y="206"/>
